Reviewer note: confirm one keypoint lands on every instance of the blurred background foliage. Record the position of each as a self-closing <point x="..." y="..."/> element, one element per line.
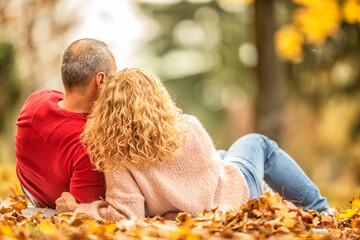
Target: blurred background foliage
<point x="286" y="68"/>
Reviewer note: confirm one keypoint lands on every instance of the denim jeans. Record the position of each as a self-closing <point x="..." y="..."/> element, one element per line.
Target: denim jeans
<point x="260" y="158"/>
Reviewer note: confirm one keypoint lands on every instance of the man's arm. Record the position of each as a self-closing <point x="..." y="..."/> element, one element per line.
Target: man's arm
<point x="86" y="184"/>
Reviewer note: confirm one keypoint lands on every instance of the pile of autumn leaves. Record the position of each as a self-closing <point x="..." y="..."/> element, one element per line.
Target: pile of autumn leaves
<point x="267" y="218"/>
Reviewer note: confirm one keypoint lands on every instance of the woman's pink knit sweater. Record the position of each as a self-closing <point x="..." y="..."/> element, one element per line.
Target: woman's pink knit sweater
<point x="195" y="180"/>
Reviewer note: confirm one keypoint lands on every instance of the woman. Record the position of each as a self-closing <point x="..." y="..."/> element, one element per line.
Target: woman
<point x="158" y="161"/>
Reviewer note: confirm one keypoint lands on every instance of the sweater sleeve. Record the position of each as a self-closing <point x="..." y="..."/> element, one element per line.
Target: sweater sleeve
<point x="124" y="198"/>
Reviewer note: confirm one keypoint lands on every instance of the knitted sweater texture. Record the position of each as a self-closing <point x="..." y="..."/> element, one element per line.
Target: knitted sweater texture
<point x="194" y="180"/>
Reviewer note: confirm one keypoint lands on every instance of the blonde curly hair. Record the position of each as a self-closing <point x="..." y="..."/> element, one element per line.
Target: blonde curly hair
<point x="133" y="121"/>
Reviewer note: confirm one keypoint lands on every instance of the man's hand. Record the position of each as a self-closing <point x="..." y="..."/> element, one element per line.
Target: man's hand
<point x="66" y="203"/>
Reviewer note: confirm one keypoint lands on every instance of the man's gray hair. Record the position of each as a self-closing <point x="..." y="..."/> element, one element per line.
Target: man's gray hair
<point x="82" y="60"/>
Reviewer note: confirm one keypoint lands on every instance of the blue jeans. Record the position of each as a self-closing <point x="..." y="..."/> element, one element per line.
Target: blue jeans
<point x="260" y="158"/>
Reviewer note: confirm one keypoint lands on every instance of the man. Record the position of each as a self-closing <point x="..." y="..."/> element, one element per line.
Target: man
<point x="50" y="156"/>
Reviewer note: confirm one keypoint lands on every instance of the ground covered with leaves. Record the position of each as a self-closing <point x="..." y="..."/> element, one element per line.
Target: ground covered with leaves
<point x="266" y="218"/>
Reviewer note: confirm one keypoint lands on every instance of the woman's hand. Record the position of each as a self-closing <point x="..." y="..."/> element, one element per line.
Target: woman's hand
<point x="66" y="203"/>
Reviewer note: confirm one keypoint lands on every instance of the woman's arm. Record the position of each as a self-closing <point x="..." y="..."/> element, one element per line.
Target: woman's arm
<point x="123" y="199"/>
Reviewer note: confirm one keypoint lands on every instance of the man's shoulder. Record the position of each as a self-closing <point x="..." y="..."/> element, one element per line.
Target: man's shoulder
<point x="42" y="112"/>
<point x="44" y="95"/>
<point x="36" y="101"/>
<point x="40" y="97"/>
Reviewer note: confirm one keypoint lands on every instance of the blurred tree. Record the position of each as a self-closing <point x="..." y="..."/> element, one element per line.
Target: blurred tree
<point x="32" y="36"/>
<point x="8" y="81"/>
<point x="270" y="83"/>
<point x="37" y="29"/>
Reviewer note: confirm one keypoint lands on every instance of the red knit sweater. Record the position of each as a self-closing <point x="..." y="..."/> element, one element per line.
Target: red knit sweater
<point x="50" y="157"/>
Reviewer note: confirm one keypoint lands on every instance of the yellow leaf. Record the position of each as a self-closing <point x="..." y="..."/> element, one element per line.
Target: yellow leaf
<point x="354" y="223"/>
<point x="317" y="19"/>
<point x="192" y="237"/>
<point x="289" y="222"/>
<point x="184" y="231"/>
<point x="46" y="228"/>
<point x="355" y="204"/>
<point x="7" y="231"/>
<point x="348" y="213"/>
<point x="110" y="228"/>
<point x="288" y="43"/>
<point x="93" y="227"/>
<point x="273" y="199"/>
<point x="19" y="205"/>
<point x="175" y="236"/>
<point x="351" y="11"/>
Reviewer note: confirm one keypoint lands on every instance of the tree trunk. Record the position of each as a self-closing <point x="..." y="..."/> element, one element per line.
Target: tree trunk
<point x="270" y="86"/>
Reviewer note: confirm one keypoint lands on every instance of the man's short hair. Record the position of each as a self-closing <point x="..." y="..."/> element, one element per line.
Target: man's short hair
<point x="82" y="60"/>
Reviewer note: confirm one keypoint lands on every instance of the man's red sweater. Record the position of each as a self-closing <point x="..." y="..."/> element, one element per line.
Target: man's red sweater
<point x="50" y="157"/>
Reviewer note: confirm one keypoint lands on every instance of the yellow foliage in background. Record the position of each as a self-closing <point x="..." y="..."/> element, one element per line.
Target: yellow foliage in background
<point x="351" y="11"/>
<point x="313" y="21"/>
<point x="317" y="19"/>
<point x="289" y="43"/>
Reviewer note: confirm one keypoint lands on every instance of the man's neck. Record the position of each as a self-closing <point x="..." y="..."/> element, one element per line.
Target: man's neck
<point x="76" y="103"/>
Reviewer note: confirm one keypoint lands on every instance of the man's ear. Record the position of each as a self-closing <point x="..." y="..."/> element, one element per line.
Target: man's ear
<point x="99" y="78"/>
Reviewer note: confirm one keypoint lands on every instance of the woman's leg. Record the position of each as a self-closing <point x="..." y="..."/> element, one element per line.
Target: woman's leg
<point x="261" y="159"/>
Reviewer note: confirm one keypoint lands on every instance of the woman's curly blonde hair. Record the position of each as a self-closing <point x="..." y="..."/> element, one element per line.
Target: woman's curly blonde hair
<point x="133" y="121"/>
